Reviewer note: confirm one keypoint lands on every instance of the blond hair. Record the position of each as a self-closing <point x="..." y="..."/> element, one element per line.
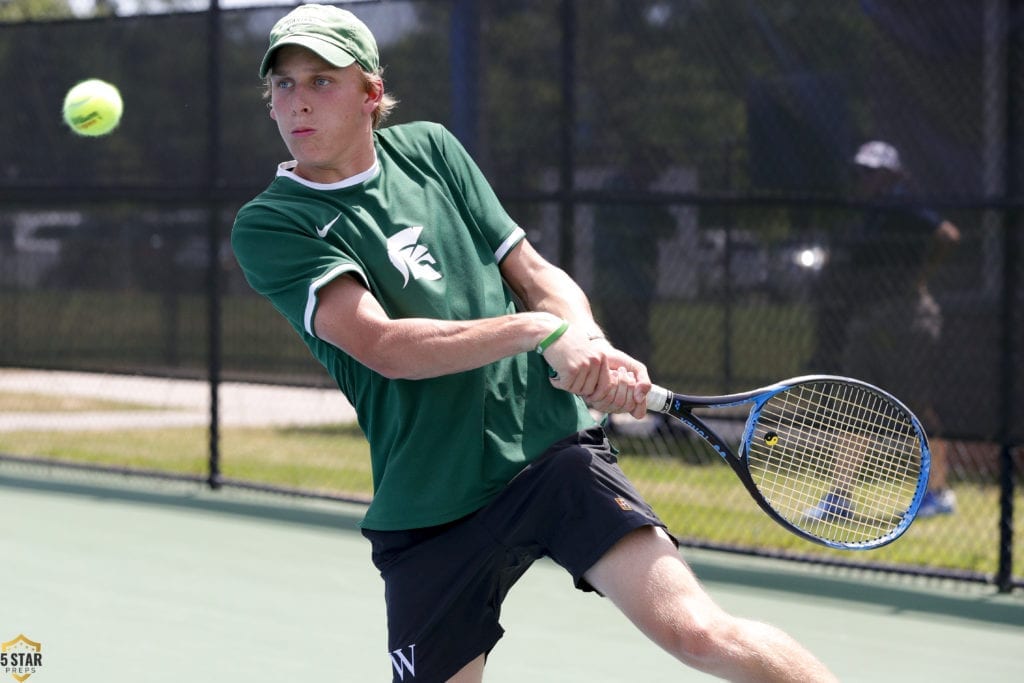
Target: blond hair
<point x="386" y="104"/>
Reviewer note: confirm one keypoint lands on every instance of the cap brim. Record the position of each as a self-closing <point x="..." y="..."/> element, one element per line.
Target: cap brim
<point x="875" y="164"/>
<point x="329" y="52"/>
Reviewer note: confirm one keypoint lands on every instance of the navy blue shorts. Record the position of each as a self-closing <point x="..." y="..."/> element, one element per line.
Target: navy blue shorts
<point x="444" y="585"/>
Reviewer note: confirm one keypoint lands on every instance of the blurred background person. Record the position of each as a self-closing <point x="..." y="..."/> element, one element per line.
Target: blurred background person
<point x="878" y="320"/>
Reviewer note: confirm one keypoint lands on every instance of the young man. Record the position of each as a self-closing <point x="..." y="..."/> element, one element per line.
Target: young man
<point x="390" y="255"/>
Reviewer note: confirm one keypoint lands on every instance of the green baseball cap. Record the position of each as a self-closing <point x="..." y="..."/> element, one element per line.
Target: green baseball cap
<point x="334" y="34"/>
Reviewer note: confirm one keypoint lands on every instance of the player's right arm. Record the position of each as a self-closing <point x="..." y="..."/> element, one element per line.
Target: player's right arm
<point x="350" y="317"/>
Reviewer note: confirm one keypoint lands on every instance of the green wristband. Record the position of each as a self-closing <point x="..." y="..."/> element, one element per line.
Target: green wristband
<point x="553" y="337"/>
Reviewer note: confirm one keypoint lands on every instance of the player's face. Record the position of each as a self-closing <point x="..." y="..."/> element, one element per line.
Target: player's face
<point x="324" y="115"/>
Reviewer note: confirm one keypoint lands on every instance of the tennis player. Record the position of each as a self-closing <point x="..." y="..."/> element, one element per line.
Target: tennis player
<point x="388" y="252"/>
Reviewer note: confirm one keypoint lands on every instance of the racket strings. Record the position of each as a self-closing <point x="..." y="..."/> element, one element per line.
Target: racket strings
<point x="838" y="460"/>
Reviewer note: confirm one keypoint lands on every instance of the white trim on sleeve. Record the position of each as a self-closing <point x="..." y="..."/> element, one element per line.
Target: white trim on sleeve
<point x="315" y="286"/>
<point x="510" y="241"/>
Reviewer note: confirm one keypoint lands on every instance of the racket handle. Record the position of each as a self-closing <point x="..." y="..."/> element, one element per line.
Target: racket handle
<point x="658" y="399"/>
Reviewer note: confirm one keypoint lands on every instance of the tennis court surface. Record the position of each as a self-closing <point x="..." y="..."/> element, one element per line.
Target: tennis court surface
<point x="119" y="579"/>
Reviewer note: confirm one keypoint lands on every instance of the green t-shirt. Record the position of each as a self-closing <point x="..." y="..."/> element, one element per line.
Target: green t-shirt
<point x="424" y="232"/>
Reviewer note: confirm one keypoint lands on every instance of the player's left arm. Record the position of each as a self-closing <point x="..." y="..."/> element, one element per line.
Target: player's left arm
<point x="587" y="364"/>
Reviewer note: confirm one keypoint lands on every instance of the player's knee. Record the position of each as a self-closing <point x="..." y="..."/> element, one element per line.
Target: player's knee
<point x="699" y="640"/>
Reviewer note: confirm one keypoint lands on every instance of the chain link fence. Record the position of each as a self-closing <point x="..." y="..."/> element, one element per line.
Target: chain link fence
<point x="690" y="163"/>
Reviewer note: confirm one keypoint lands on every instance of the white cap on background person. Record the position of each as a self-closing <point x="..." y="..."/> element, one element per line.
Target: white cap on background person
<point x="878" y="154"/>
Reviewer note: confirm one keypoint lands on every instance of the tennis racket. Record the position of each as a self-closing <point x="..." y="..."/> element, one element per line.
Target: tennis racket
<point x="835" y="460"/>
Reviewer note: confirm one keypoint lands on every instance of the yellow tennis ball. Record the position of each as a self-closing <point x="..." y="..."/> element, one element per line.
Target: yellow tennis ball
<point x="93" y="107"/>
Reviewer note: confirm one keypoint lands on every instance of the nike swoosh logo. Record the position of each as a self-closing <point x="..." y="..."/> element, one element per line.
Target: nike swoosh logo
<point x="327" y="228"/>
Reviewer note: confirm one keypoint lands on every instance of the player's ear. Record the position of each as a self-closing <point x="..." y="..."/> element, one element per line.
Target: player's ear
<point x="273" y="114"/>
<point x="374" y="90"/>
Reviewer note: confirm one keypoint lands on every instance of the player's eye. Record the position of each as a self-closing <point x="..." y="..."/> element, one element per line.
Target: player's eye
<point x="322" y="82"/>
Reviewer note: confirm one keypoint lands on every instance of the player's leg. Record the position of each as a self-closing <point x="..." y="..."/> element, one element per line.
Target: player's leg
<point x="439" y="594"/>
<point x="644" y="575"/>
<point x="939" y="499"/>
<point x="471" y="673"/>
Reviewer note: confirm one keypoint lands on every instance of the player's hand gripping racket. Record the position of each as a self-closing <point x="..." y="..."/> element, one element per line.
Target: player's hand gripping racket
<point x="834" y="460"/>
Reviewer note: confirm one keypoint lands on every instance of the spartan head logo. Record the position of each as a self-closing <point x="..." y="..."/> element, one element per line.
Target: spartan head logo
<point x="411" y="258"/>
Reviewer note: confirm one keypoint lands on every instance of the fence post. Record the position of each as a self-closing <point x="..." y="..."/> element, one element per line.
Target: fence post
<point x="567" y="157"/>
<point x="214" y="76"/>
<point x="1008" y="394"/>
<point x="465" y="73"/>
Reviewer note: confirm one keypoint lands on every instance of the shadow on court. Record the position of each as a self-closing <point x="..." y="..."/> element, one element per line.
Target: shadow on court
<point x="121" y="579"/>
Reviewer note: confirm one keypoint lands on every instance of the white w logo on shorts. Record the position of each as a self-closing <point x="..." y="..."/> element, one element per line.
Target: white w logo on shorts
<point x="410" y="257"/>
<point x="403" y="663"/>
